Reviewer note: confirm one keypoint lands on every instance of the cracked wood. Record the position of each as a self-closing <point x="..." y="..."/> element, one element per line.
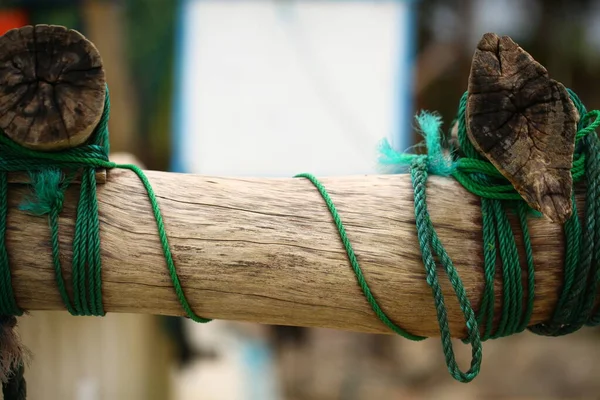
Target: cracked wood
<point x="267" y="251"/>
<point x="524" y="123"/>
<point x="52" y="87"/>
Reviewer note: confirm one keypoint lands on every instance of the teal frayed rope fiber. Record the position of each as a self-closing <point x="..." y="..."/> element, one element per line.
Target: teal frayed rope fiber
<point x="499" y="199"/>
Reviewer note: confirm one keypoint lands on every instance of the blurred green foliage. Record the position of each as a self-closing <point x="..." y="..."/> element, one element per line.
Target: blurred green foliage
<point x="151" y="35"/>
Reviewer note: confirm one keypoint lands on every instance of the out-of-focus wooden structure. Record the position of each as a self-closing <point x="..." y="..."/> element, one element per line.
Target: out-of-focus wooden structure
<point x="120" y="356"/>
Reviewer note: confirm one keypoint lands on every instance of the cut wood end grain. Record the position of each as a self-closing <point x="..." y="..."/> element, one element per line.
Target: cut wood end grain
<point x="52" y="87"/>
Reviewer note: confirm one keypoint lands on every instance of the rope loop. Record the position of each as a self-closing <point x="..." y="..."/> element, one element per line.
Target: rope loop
<point x="500" y="202"/>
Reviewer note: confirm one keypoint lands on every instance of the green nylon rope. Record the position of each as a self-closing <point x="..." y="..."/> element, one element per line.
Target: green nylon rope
<point x="354" y="261"/>
<point x="498" y="200"/>
<point x="52" y="173"/>
<point x="49" y="181"/>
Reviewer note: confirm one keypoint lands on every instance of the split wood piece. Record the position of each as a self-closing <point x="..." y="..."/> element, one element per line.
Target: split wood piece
<point x="453" y="142"/>
<point x="52" y="87"/>
<point x="524" y="123"/>
<point x="267" y="251"/>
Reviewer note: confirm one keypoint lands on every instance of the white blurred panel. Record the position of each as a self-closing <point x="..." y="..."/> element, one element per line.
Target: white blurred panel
<point x="275" y="88"/>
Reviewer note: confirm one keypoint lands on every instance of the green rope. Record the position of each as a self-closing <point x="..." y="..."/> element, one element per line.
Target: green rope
<point x="52" y="173"/>
<point x="431" y="247"/>
<point x="498" y="200"/>
<point x="354" y="261"/>
<point x="8" y="303"/>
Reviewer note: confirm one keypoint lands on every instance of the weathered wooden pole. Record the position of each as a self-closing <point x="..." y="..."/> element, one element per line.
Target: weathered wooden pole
<point x="260" y="250"/>
<point x="267" y="251"/>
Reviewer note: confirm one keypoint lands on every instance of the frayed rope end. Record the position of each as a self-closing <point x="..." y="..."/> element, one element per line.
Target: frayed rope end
<point x="46" y="192"/>
<point x="391" y="161"/>
<point x="13" y="353"/>
<point x="440" y="160"/>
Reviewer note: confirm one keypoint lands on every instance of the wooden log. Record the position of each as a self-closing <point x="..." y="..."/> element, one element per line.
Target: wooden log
<point x="266" y="250"/>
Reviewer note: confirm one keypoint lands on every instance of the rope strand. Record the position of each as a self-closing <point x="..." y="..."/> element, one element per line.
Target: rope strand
<point x="498" y="197"/>
<point x="49" y="183"/>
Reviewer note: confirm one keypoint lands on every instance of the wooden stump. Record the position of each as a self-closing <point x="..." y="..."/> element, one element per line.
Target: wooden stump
<point x="52" y="87"/>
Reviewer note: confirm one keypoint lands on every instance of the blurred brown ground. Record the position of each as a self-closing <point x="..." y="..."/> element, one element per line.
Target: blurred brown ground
<point x="340" y="365"/>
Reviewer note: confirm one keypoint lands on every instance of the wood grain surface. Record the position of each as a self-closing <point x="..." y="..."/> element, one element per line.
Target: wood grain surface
<point x="266" y="250"/>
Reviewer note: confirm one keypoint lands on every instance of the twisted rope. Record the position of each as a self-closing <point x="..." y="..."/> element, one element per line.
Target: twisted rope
<point x="52" y="173"/>
<point x="499" y="199"/>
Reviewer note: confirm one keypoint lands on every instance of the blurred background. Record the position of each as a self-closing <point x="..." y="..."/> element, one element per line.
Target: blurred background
<point x="274" y="88"/>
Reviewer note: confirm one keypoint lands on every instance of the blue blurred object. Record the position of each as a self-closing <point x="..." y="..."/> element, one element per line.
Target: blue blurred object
<point x="402" y="138"/>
